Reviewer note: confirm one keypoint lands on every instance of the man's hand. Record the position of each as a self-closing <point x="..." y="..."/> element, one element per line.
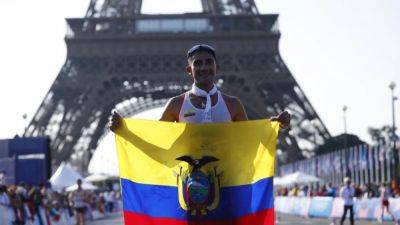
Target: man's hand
<point x="114" y="121"/>
<point x="283" y="118"/>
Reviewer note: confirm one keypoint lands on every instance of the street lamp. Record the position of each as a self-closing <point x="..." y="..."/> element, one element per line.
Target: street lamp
<point x="392" y="86"/>
<point x="348" y="173"/>
<point x="24" y="117"/>
<point x="344" y="118"/>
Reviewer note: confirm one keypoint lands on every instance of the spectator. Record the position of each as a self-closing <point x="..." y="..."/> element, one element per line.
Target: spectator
<point x="370" y="191"/>
<point x="36" y="200"/>
<point x="6" y="214"/>
<point x="358" y="191"/>
<point x="305" y="190"/>
<point x="109" y="198"/>
<point x="16" y="204"/>
<point x="395" y="188"/>
<point x="330" y="191"/>
<point x="294" y="191"/>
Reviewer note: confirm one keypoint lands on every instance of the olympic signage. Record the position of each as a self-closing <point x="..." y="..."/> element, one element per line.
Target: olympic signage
<point x="329" y="207"/>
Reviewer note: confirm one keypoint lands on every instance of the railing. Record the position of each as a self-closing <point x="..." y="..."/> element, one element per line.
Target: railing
<point x="163" y="24"/>
<point x="328" y="207"/>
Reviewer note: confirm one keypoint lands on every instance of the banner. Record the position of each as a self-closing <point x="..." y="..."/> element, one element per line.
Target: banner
<point x="4" y="149"/>
<point x="363" y="157"/>
<point x="321" y="206"/>
<point x="177" y="173"/>
<point x="370" y="164"/>
<point x="350" y="159"/>
<point x="7" y="170"/>
<point x="355" y="159"/>
<point x="366" y="208"/>
<point x="377" y="165"/>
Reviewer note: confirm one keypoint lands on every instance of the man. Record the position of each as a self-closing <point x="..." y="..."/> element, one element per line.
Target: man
<point x="330" y="190"/>
<point x="385" y="194"/>
<point x="347" y="193"/>
<point x="295" y="191"/>
<point x="77" y="200"/>
<point x="36" y="198"/>
<point x="204" y="103"/>
<point x="6" y="212"/>
<point x="109" y="198"/>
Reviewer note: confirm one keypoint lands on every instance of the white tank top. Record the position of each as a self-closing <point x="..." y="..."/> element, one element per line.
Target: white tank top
<point x="78" y="198"/>
<point x="191" y="114"/>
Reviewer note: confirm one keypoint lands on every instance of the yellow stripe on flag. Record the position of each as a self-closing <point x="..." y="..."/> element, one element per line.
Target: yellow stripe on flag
<point x="147" y="150"/>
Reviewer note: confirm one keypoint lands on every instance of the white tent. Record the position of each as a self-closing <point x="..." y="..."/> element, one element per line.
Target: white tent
<point x="96" y="177"/>
<point x="85" y="186"/>
<point x="278" y="181"/>
<point x="64" y="177"/>
<point x="297" y="178"/>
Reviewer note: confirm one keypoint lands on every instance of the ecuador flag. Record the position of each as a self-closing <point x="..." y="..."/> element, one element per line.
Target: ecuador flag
<point x="177" y="173"/>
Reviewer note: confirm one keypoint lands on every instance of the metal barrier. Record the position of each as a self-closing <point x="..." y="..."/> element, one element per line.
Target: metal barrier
<point x="329" y="207"/>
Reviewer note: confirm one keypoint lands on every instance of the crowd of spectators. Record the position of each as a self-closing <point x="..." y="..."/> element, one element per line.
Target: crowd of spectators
<point x="370" y="190"/>
<point x="25" y="205"/>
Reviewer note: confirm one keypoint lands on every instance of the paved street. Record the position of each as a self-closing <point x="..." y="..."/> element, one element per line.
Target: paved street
<point x="114" y="219"/>
<point x="282" y="219"/>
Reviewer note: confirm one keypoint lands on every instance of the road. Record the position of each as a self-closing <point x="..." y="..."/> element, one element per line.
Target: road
<point x="282" y="219"/>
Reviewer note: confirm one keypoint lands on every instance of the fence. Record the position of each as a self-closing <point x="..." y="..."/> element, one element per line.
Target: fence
<point x="333" y="207"/>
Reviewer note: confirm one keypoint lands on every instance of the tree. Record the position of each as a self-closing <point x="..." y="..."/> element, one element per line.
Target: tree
<point x="381" y="136"/>
<point x="339" y="142"/>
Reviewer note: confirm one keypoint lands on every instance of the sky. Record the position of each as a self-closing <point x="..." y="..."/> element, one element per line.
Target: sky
<point x="340" y="52"/>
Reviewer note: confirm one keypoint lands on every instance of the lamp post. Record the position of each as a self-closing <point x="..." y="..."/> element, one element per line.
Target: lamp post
<point x="344" y="118"/>
<point x="345" y="125"/>
<point x="392" y="86"/>
<point x="348" y="173"/>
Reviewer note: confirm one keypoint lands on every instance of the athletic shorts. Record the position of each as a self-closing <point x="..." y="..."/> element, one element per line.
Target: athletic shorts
<point x="385" y="202"/>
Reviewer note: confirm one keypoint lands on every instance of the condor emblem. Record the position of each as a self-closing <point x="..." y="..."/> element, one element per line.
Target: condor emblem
<point x="198" y="190"/>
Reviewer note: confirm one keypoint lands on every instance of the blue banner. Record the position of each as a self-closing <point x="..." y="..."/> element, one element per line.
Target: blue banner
<point x="321" y="206"/>
<point x="369" y="209"/>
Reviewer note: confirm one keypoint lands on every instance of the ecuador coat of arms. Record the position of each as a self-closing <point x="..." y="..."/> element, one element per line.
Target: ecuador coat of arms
<point x="198" y="189"/>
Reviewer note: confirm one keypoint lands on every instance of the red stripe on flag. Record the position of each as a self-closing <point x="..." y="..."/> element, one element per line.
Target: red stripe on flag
<point x="265" y="217"/>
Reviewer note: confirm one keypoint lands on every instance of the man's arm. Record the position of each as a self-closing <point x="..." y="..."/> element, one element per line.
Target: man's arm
<point x="240" y="114"/>
<point x="235" y="108"/>
<point x="70" y="196"/>
<point x="171" y="111"/>
<point x="170" y="114"/>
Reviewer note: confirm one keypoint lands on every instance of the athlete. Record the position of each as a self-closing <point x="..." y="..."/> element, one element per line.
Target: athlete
<point x="204" y="103"/>
<point x="78" y="200"/>
<point x="385" y="194"/>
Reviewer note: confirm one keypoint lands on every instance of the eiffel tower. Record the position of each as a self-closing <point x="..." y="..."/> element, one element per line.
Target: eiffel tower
<point x="118" y="57"/>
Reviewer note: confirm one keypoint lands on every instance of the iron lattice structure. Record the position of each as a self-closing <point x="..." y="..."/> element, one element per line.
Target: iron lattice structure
<point x="120" y="58"/>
